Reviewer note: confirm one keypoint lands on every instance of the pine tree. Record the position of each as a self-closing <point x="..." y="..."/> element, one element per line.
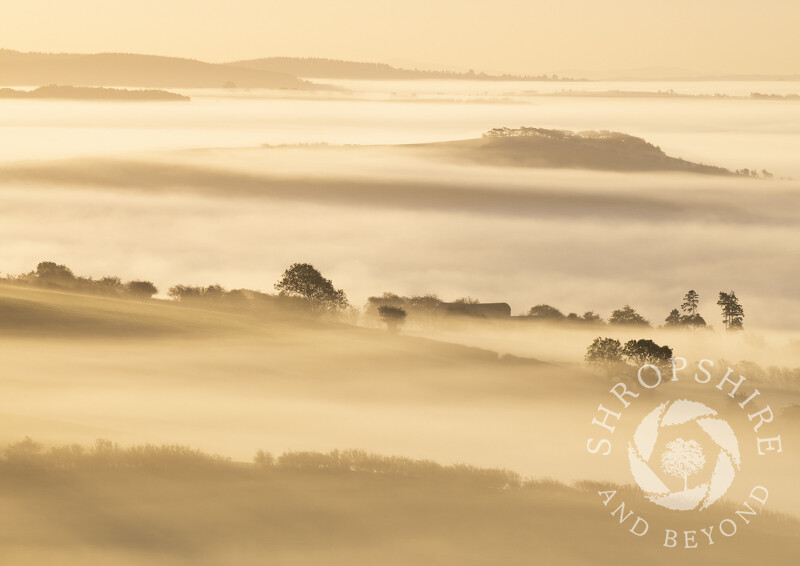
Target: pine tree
<point x="690" y="301"/>
<point x="732" y="311"/>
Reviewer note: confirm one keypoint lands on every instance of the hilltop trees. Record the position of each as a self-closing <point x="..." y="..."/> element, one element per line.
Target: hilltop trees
<point x="690" y="302"/>
<point x="690" y="317"/>
<point x="546" y="312"/>
<point x="304" y="281"/>
<point x="732" y="311"/>
<point x="628" y="317"/>
<point x="52" y="275"/>
<point x="141" y="289"/>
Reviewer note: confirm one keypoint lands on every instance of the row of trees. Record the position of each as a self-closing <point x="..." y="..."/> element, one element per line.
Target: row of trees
<point x="304" y="285"/>
<point x="687" y="317"/>
<point x="51" y="275"/>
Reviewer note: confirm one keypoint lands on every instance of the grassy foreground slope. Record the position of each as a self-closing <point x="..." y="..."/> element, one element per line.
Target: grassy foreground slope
<point x="172" y="507"/>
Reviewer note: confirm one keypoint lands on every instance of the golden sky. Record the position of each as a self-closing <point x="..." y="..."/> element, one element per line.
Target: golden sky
<point x="521" y="36"/>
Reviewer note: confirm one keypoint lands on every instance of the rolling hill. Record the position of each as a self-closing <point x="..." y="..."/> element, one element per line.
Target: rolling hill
<point x="538" y="147"/>
<point x="57" y="92"/>
<point x="131" y="70"/>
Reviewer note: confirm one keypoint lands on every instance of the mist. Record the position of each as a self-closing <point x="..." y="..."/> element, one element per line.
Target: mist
<point x="235" y="186"/>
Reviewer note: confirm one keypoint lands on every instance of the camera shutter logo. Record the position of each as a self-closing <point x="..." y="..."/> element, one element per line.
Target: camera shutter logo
<point x="683" y="458"/>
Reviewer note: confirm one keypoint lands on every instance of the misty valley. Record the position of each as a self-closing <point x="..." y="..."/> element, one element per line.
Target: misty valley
<point x="373" y="316"/>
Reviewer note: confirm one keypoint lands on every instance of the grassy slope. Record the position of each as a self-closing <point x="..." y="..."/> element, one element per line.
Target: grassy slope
<point x="244" y="515"/>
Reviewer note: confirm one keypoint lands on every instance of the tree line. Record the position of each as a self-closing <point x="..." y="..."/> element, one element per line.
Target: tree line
<point x="303" y="285"/>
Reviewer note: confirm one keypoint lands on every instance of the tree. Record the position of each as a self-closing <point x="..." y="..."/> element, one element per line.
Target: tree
<point x="302" y="280"/>
<point x="185" y="292"/>
<point x="732" y="311"/>
<point x="141" y="289"/>
<point x="545" y="312"/>
<point x="110" y="285"/>
<point x="693" y="320"/>
<point x="592" y="317"/>
<point x="604" y="353"/>
<point x="394" y="317"/>
<point x="690" y="302"/>
<point x="641" y="352"/>
<point x="627" y="316"/>
<point x="52" y="274"/>
<point x="683" y="459"/>
<point x="674" y="319"/>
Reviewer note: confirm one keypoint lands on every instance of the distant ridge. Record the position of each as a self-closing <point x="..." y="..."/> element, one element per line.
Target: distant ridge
<point x="91" y="93"/>
<point x="561" y="149"/>
<point x="320" y="68"/>
<point x="131" y="70"/>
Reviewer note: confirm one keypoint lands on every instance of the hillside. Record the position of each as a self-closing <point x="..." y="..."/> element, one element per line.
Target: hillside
<point x="320" y="68"/>
<point x="172" y="505"/>
<point x="58" y="92"/>
<point x="131" y="70"/>
<point x="537" y="147"/>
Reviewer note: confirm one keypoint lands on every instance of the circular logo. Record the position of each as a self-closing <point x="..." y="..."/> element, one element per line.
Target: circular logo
<point x="682" y="458"/>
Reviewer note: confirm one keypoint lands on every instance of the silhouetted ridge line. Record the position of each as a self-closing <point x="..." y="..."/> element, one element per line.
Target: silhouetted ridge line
<point x="91" y="93"/>
<point x="132" y="70"/>
<point x="321" y="68"/>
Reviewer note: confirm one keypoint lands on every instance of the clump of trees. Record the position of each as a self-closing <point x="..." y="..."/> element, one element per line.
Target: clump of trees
<point x="754" y="173"/>
<point x="549" y="313"/>
<point x="421" y="307"/>
<point x="609" y="355"/>
<point x="689" y="317"/>
<point x="732" y="311"/>
<point x="626" y="316"/>
<point x="51" y="275"/>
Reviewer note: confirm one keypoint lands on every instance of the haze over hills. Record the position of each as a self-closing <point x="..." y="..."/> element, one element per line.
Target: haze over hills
<point x="131" y="70"/>
<point x="320" y="68"/>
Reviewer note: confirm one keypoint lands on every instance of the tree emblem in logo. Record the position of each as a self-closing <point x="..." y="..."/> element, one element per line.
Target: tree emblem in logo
<point x="684" y="458"/>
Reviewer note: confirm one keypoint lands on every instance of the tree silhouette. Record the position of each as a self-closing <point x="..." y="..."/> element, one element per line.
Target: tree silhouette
<point x="141" y="289"/>
<point x="732" y="311"/>
<point x="394" y="317"/>
<point x="604" y="353"/>
<point x="51" y="274"/>
<point x="674" y="319"/>
<point x="545" y="312"/>
<point x="690" y="301"/>
<point x="683" y="459"/>
<point x="627" y="316"/>
<point x="641" y="352"/>
<point x="304" y="281"/>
